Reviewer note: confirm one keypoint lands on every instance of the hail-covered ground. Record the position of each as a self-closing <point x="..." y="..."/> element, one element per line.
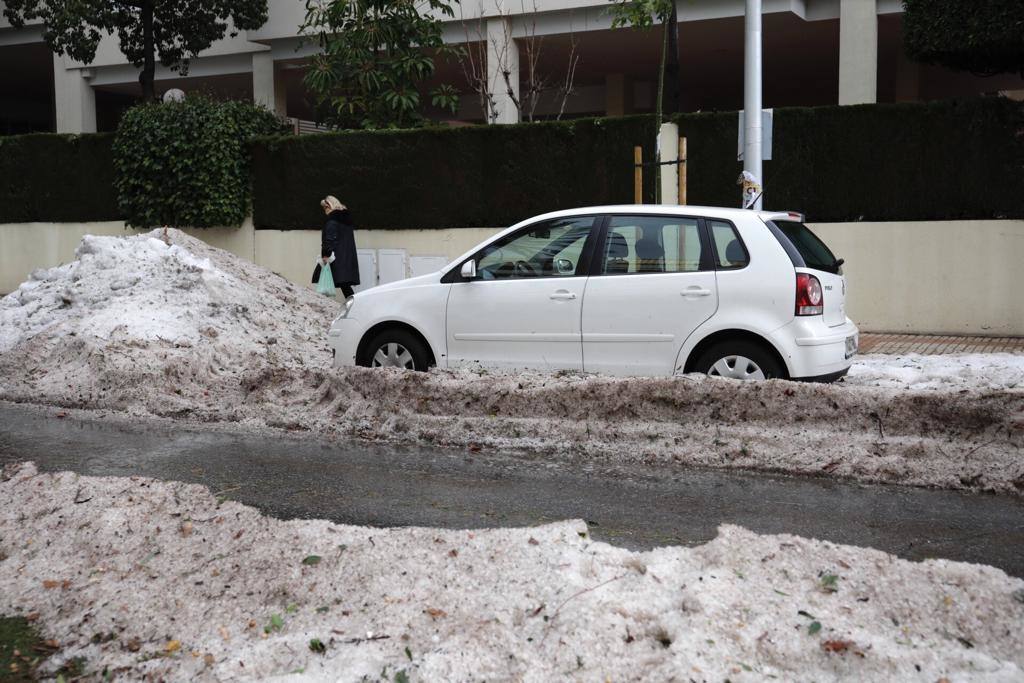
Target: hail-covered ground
<point x="169" y="326"/>
<point x="142" y="578"/>
<point x="148" y="580"/>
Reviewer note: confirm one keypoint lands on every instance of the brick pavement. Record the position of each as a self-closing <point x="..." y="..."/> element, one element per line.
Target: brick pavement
<point x="871" y="342"/>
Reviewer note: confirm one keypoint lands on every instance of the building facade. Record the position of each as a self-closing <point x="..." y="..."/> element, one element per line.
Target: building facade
<point x="526" y="59"/>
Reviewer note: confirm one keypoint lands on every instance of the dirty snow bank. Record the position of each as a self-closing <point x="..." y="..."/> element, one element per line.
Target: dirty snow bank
<point x="912" y="371"/>
<point x="144" y="578"/>
<point x="134" y="317"/>
<point x="187" y="331"/>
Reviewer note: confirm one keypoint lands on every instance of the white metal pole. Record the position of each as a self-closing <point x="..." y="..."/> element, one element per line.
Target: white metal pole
<point x="752" y="93"/>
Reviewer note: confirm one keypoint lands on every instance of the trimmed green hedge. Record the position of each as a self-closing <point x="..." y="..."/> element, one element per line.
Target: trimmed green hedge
<point x="889" y="162"/>
<point x="932" y="161"/>
<point x="440" y="177"/>
<point x="62" y="178"/>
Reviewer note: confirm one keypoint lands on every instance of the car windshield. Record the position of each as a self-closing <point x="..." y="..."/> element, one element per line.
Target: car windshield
<point x="814" y="252"/>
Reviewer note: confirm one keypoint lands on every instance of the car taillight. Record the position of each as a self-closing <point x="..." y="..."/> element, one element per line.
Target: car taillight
<point x="809" y="300"/>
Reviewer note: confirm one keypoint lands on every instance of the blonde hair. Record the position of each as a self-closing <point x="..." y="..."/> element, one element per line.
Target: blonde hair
<point x="331" y="203"/>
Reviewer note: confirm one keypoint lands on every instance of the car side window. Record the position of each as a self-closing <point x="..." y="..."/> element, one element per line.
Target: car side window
<point x="729" y="250"/>
<point x="652" y="244"/>
<point x="548" y="249"/>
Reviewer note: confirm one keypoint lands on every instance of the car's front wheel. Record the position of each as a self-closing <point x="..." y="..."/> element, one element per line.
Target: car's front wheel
<point x="739" y="359"/>
<point x="396" y="349"/>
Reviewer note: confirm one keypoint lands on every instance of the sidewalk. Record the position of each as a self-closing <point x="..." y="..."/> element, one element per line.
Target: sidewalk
<point x="938" y="344"/>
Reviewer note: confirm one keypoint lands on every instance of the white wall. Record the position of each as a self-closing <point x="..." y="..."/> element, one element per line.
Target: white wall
<point x="942" y="277"/>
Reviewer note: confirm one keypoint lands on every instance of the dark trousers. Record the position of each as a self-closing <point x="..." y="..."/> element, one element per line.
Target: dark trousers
<point x="346" y="290"/>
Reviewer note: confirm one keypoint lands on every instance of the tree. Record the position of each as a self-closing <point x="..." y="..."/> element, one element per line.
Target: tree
<point x="641" y="14"/>
<point x="473" y="59"/>
<point x="373" y="56"/>
<point x="985" y="37"/>
<point x="177" y="30"/>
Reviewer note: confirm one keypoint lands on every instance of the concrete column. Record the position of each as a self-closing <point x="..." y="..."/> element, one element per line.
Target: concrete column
<point x="668" y="150"/>
<point x="74" y="98"/>
<point x="264" y="83"/>
<point x="502" y="70"/>
<point x="858" y="51"/>
<point x="618" y="95"/>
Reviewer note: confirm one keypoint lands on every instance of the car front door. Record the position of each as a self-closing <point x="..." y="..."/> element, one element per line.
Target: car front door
<point x="522" y="310"/>
<point x="653" y="284"/>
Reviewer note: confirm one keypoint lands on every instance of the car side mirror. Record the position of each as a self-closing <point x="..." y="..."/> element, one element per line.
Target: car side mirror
<point x="564" y="266"/>
<point x="469" y="269"/>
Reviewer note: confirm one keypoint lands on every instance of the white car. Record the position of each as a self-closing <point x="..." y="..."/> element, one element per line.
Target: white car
<point x="621" y="290"/>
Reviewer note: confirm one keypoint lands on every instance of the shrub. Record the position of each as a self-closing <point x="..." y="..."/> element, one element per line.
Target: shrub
<point x="61" y="178"/>
<point x="185" y="163"/>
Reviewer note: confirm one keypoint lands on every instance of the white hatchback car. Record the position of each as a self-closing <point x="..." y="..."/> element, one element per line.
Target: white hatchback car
<point x="620" y="290"/>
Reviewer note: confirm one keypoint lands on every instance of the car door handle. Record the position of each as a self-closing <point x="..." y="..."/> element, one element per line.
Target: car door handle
<point x="562" y="295"/>
<point x="696" y="291"/>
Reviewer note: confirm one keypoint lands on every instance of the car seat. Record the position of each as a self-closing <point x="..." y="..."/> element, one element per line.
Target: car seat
<point x="650" y="255"/>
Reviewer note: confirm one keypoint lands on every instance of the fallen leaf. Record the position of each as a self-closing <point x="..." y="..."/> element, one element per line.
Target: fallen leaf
<point x="838" y="646"/>
<point x="533" y="541"/>
<point x="172" y="646"/>
<point x="208" y="659"/>
<point x="185" y="528"/>
<point x="813" y="628"/>
<point x="435" y="613"/>
<point x="311" y="560"/>
<point x="50" y="584"/>
<point x="453" y="553"/>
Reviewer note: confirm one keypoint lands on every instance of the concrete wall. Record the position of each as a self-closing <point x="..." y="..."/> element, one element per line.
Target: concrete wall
<point x="951" y="277"/>
<point x="27" y="246"/>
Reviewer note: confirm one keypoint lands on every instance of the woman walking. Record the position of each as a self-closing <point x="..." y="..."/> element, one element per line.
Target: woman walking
<point x="338" y="246"/>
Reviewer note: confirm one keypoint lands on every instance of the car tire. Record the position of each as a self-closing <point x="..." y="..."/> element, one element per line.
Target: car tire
<point x="396" y="348"/>
<point x="739" y="359"/>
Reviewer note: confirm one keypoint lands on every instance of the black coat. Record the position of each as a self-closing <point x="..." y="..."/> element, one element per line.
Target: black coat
<point x="338" y="237"/>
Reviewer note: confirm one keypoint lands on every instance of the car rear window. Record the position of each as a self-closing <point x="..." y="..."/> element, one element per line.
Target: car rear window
<point x="814" y="252"/>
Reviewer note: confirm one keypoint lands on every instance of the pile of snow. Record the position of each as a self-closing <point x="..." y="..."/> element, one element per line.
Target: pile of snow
<point x="187" y="331"/>
<point x="973" y="371"/>
<point x="160" y="581"/>
<point x="135" y="322"/>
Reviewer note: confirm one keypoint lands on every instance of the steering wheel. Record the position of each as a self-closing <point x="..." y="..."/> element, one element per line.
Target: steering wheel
<point x="525" y="269"/>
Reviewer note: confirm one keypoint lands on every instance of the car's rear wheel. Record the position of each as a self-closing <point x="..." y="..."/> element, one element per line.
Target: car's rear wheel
<point x="740" y="359"/>
<point x="396" y="349"/>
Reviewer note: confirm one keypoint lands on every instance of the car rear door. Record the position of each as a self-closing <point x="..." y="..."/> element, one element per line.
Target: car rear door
<point x="652" y="285"/>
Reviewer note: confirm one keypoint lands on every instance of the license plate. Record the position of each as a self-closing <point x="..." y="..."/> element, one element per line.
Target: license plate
<point x="851" y="346"/>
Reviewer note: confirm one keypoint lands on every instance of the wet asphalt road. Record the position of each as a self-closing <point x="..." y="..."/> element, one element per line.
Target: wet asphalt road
<point x="359" y="483"/>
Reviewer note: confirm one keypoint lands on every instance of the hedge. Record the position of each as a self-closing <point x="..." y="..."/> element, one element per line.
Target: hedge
<point x="187" y="162"/>
<point x="882" y="162"/>
<point x="449" y="177"/>
<point x="61" y="178"/>
<point x="889" y="162"/>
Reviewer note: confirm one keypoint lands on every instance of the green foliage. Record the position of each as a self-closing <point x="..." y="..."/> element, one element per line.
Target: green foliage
<point x="185" y="163"/>
<point x="640" y="13"/>
<point x="18" y="635"/>
<point x="888" y="162"/>
<point x="982" y="37"/>
<point x="275" y="624"/>
<point x="311" y="560"/>
<point x="440" y="177"/>
<point x="373" y="56"/>
<point x="316" y="645"/>
<point x="176" y="30"/>
<point x="60" y="178"/>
